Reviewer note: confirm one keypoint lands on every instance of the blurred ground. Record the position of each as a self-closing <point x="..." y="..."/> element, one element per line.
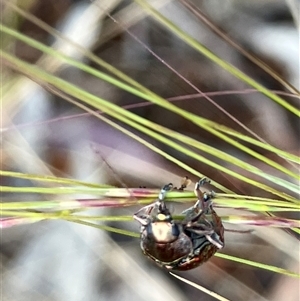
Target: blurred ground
<point x="59" y="261"/>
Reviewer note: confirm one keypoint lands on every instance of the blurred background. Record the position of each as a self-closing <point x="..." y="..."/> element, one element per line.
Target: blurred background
<point x="43" y="134"/>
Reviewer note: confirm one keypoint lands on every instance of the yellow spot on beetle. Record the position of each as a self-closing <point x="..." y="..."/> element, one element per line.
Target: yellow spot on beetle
<point x="161" y="217"/>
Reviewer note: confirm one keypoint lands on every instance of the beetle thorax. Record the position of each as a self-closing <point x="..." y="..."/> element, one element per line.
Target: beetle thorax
<point x="162" y="232"/>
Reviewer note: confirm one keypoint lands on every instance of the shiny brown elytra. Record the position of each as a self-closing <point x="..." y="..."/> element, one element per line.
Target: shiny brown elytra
<point x="181" y="245"/>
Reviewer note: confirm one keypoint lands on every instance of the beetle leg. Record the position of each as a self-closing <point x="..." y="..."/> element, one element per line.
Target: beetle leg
<point x="143" y="215"/>
<point x="200" y="229"/>
<point x="203" y="181"/>
<point x="202" y="206"/>
<point x="161" y="196"/>
<point x="209" y="233"/>
<point x="164" y="190"/>
<point x="159" y="203"/>
<point x="203" y="203"/>
<point x="204" y="199"/>
<point x="147" y="210"/>
<point x="142" y="220"/>
<point x="215" y="240"/>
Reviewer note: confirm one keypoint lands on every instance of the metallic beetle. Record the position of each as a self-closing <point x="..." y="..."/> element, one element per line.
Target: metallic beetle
<point x="181" y="245"/>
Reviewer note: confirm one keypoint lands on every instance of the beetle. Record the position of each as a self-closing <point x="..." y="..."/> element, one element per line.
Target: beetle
<point x="181" y="245"/>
